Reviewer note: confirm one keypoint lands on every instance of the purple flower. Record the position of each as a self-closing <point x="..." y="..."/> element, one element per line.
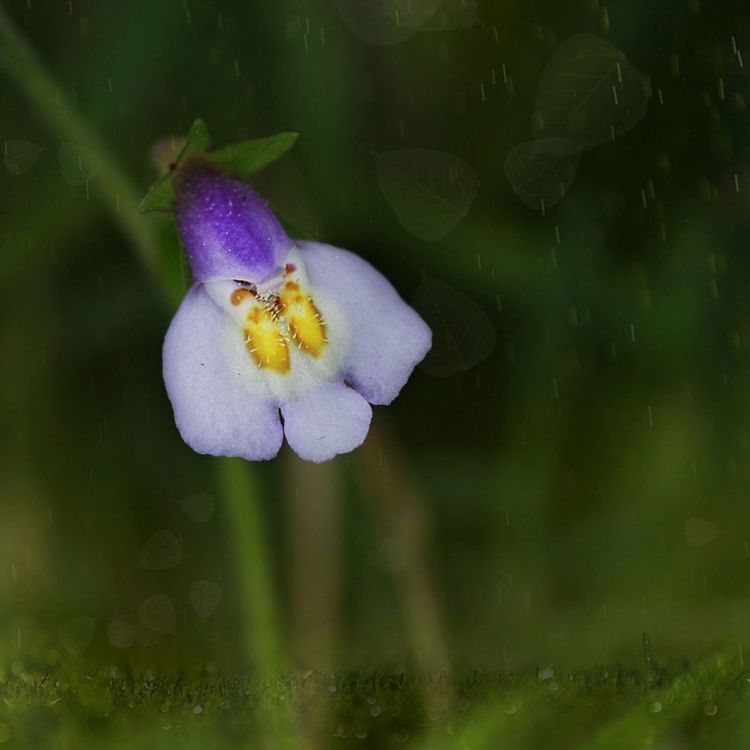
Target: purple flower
<point x="278" y="337"/>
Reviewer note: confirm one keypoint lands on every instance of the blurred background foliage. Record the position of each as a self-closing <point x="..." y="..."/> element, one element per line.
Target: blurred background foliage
<point x="585" y="482"/>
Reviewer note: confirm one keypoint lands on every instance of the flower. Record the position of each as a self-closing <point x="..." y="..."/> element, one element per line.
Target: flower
<point x="275" y="330"/>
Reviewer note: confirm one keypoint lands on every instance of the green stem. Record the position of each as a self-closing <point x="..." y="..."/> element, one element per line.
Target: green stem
<point x="250" y="548"/>
<point x="21" y="64"/>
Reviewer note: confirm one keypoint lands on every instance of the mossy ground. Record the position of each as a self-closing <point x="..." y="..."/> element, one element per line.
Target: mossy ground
<point x="676" y="706"/>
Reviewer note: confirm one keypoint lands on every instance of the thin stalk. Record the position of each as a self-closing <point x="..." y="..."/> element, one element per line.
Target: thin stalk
<point x="21" y="64"/>
<point x="259" y="615"/>
<point x="19" y="61"/>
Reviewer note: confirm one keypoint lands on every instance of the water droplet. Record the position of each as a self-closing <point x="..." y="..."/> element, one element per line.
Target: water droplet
<point x="710" y="709"/>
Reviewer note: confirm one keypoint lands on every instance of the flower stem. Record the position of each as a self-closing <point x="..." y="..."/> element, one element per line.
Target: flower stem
<point x="21" y="64"/>
<point x="19" y="61"/>
<point x="259" y="614"/>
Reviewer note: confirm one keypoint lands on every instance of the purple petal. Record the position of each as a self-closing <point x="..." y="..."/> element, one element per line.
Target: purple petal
<point x="227" y="229"/>
<point x="326" y="421"/>
<point x="388" y="338"/>
<point x="220" y="403"/>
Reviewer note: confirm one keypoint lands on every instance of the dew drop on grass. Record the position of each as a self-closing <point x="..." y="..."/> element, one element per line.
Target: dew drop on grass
<point x="157" y="614"/>
<point x="20" y="156"/>
<point x="77" y="634"/>
<point x="161" y="551"/>
<point x="710" y="709"/>
<point x="699" y="532"/>
<point x="205" y="597"/>
<point x="199" y="506"/>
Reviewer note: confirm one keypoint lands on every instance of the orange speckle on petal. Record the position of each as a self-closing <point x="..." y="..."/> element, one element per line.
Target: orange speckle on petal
<point x="239" y="296"/>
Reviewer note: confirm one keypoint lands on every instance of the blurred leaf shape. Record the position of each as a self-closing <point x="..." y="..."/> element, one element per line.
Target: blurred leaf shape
<point x="77" y="634"/>
<point x="452" y="14"/>
<point x="78" y="163"/>
<point x="120" y="634"/>
<point x="205" y="597"/>
<point x="589" y="92"/>
<point x="429" y="191"/>
<point x="145" y="637"/>
<point x="157" y="614"/>
<point x="541" y="172"/>
<point x="699" y="532"/>
<point x="161" y="551"/>
<point x="385" y="22"/>
<point x="20" y="156"/>
<point x="199" y="507"/>
<point x="462" y="335"/>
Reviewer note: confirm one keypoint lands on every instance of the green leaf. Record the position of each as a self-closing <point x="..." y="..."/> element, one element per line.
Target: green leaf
<point x="198" y="140"/>
<point x="240" y="160"/>
<point x="429" y="191"/>
<point x="245" y="159"/>
<point x="160" y="196"/>
<point x="462" y="335"/>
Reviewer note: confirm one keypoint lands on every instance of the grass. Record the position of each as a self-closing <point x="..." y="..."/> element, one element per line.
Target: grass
<point x="605" y="707"/>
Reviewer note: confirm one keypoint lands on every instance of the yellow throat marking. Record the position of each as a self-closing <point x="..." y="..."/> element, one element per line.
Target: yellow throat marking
<point x="273" y="321"/>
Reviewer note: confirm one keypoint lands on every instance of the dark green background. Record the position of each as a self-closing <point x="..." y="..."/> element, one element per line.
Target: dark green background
<point x="556" y="480"/>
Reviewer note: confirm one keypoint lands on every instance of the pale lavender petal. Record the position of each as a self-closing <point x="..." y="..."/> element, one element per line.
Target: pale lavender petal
<point x="388" y="338"/>
<point x="227" y="229"/>
<point x="326" y="421"/>
<point x="220" y="405"/>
